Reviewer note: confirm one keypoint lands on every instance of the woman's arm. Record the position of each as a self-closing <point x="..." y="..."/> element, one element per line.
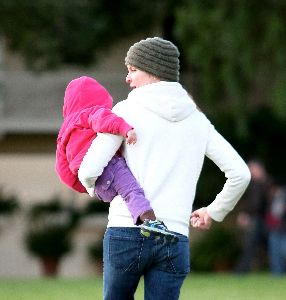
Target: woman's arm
<point x="236" y="171"/>
<point x="102" y="149"/>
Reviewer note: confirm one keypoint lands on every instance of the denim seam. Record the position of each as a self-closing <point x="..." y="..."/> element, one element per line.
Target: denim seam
<point x="170" y="261"/>
<point x="139" y="255"/>
<point x="183" y="272"/>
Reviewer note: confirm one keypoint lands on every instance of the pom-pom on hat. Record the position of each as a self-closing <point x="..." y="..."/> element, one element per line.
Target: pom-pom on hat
<point x="155" y="56"/>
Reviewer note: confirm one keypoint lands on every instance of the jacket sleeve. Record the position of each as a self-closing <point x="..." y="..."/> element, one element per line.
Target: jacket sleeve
<point x="64" y="172"/>
<point x="102" y="149"/>
<point x="105" y="121"/>
<point x="236" y="171"/>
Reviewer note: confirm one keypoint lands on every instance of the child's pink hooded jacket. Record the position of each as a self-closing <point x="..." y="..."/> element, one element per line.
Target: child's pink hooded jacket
<point x="86" y="111"/>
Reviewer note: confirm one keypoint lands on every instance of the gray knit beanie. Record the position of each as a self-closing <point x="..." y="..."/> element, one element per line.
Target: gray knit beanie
<point x="155" y="56"/>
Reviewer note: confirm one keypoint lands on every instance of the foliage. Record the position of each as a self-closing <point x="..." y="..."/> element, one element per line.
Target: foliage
<point x="267" y="142"/>
<point x="54" y="209"/>
<point x="51" y="33"/>
<point x="53" y="212"/>
<point x="236" y="56"/>
<point x="8" y="204"/>
<point x="51" y="242"/>
<point x="95" y="206"/>
<point x="216" y="250"/>
<point x="210" y="183"/>
<point x="50" y="229"/>
<point x="269" y="139"/>
<point x="236" y="53"/>
<point x="49" y="207"/>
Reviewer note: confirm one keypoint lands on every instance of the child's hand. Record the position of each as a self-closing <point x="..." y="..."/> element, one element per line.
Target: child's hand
<point x="131" y="137"/>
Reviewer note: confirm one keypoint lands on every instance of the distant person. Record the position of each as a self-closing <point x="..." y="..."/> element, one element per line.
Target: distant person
<point x="276" y="224"/>
<point x="174" y="138"/>
<point x="86" y="112"/>
<point x="251" y="217"/>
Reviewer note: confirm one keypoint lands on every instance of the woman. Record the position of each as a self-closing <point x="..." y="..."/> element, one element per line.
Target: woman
<point x="173" y="139"/>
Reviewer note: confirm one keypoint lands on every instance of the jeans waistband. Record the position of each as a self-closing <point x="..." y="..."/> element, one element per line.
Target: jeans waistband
<point x="135" y="232"/>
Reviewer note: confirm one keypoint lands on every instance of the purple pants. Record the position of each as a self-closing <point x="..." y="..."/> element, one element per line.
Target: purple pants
<point x="117" y="179"/>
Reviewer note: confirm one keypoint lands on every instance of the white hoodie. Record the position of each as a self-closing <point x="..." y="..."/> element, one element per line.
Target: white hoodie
<point x="173" y="139"/>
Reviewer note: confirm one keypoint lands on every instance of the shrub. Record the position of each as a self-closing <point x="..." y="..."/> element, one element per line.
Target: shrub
<point x="217" y="250"/>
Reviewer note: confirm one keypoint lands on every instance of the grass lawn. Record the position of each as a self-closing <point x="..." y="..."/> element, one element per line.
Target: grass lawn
<point x="197" y="287"/>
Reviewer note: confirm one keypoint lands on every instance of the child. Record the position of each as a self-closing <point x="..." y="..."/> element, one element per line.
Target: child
<point x="87" y="111"/>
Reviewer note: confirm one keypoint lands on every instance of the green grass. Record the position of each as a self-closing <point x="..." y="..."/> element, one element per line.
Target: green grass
<point x="197" y="286"/>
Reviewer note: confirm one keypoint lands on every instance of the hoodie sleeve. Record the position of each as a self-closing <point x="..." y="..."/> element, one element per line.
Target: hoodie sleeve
<point x="64" y="172"/>
<point x="102" y="149"/>
<point x="236" y="172"/>
<point x="105" y="121"/>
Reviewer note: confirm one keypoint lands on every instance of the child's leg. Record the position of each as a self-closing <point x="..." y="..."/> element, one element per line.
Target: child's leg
<point x="103" y="184"/>
<point x="118" y="179"/>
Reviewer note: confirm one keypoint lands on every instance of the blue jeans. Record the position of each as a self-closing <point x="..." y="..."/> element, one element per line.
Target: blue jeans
<point x="127" y="256"/>
<point x="277" y="252"/>
<point x="253" y="240"/>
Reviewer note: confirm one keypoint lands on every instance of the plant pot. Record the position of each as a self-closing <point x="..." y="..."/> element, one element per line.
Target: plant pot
<point x="98" y="266"/>
<point x="50" y="266"/>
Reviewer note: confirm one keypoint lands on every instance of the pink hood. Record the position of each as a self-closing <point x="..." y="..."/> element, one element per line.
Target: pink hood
<point x="85" y="92"/>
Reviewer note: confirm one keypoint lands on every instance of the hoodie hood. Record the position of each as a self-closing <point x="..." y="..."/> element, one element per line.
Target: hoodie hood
<point x="169" y="100"/>
<point x="85" y="92"/>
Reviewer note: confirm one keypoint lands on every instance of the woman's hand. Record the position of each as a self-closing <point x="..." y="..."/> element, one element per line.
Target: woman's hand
<point x="201" y="219"/>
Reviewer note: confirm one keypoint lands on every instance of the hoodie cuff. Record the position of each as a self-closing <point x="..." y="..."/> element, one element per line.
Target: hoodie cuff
<point x="124" y="128"/>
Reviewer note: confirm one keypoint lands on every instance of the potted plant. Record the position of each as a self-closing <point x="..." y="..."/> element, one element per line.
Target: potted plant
<point x="49" y="244"/>
<point x="50" y="234"/>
